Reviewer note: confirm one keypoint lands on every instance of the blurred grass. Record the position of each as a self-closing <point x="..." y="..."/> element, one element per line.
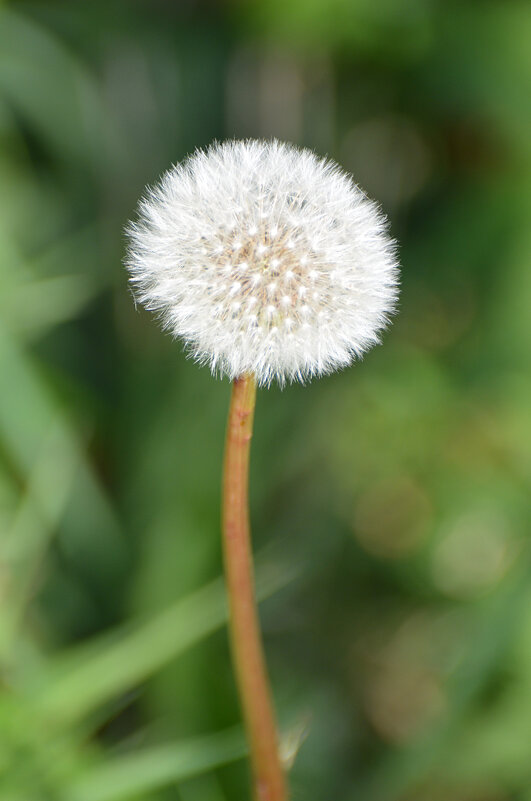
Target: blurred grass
<point x="397" y="492"/>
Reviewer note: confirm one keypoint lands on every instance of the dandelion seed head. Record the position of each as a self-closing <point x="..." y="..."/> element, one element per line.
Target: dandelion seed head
<point x="264" y="259"/>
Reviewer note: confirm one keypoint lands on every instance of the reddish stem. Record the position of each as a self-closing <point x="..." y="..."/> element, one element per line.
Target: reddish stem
<point x="247" y="653"/>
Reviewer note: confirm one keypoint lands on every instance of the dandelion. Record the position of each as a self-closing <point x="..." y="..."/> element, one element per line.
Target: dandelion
<point x="270" y="264"/>
<point x="265" y="260"/>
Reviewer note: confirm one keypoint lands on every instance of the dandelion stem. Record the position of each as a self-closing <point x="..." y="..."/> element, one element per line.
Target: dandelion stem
<point x="268" y="777"/>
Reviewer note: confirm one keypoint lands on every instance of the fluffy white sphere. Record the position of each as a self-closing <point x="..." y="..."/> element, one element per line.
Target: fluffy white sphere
<point x="265" y="259"/>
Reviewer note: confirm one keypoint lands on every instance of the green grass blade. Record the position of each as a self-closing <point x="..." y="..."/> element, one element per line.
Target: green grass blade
<point x="144" y="771"/>
<point x="114" y="665"/>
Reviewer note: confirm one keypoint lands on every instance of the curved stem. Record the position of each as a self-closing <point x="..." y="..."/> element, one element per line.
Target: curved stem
<point x="247" y="653"/>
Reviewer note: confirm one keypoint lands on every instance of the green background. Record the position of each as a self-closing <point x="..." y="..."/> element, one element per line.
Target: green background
<point x="390" y="502"/>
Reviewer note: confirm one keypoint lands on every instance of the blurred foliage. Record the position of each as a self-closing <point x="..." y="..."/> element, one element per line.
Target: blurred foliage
<point x="391" y="503"/>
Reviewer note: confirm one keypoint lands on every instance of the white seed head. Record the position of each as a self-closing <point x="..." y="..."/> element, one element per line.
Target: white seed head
<point x="264" y="259"/>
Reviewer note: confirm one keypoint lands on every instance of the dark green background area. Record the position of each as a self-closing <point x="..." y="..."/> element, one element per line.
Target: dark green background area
<point x="390" y="502"/>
